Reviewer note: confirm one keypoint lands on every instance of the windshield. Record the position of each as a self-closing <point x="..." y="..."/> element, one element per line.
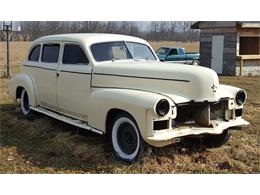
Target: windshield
<point x="163" y="51"/>
<point x="121" y="50"/>
<point x="140" y="51"/>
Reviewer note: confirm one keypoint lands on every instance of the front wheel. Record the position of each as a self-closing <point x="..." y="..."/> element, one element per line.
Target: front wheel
<point x="126" y="139"/>
<point x="25" y="105"/>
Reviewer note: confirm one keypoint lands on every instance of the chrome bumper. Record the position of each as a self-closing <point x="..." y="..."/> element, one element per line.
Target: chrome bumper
<point x="165" y="137"/>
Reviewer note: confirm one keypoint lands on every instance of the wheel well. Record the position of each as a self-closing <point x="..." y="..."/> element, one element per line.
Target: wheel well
<point x="19" y="92"/>
<point x="110" y="117"/>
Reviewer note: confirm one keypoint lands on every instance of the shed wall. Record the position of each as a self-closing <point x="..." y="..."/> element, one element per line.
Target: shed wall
<point x="229" y="52"/>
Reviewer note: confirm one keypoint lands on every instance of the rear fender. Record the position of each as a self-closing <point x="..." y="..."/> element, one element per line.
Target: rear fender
<point x="25" y="81"/>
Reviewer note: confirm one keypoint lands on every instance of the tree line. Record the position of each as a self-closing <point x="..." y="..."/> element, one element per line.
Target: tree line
<point x="153" y="31"/>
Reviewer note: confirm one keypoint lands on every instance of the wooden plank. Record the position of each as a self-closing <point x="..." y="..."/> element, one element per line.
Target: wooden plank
<point x="230" y="37"/>
<point x="219" y="30"/>
<point x="230" y="50"/>
<point x="246" y="32"/>
<point x="248" y="57"/>
<point x="206" y="44"/>
<point x="206" y="39"/>
<point x="229" y="70"/>
<point x="217" y="24"/>
<point x="250" y="25"/>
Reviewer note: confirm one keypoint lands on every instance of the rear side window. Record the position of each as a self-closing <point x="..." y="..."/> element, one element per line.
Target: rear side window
<point x="181" y="51"/>
<point x="35" y="53"/>
<point x="50" y="53"/>
<point x="73" y="54"/>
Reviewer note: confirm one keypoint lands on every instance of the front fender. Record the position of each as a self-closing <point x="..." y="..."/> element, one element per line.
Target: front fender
<point x="135" y="102"/>
<point x="229" y="91"/>
<point x="25" y="81"/>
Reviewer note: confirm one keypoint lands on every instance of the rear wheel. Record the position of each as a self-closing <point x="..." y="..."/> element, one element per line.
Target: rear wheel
<point x="126" y="139"/>
<point x="25" y="105"/>
<point x="213" y="141"/>
<point x="195" y="62"/>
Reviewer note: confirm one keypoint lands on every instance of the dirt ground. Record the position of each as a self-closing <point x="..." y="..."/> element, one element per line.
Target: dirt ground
<point x="46" y="145"/>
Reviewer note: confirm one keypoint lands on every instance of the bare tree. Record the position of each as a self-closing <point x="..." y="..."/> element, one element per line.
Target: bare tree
<point x="2" y="36"/>
<point x="90" y="27"/>
<point x="73" y="27"/>
<point x="31" y="30"/>
<point x="156" y="30"/>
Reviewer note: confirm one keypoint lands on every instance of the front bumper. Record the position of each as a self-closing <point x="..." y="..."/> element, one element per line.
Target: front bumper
<point x="166" y="137"/>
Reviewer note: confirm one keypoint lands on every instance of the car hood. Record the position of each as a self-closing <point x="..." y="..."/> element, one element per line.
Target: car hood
<point x="161" y="56"/>
<point x="179" y="82"/>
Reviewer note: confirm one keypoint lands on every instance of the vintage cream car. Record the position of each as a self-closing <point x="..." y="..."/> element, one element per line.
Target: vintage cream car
<point x="115" y="85"/>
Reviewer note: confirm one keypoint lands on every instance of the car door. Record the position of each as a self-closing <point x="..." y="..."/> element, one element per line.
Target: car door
<point x="172" y="56"/>
<point x="45" y="76"/>
<point x="182" y="55"/>
<point x="73" y="81"/>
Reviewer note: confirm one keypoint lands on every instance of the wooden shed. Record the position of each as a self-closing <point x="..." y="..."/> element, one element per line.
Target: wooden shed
<point x="230" y="48"/>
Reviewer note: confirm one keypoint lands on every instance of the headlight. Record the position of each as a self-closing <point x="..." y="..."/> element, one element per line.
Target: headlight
<point x="240" y="97"/>
<point x="162" y="107"/>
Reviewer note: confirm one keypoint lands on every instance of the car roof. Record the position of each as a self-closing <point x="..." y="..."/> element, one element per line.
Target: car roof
<point x="90" y="38"/>
<point x="171" y="47"/>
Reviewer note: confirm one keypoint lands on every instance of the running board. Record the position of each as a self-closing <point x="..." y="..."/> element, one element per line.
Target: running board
<point x="66" y="119"/>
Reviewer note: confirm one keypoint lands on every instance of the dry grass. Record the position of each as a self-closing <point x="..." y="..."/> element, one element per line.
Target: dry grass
<point x="45" y="145"/>
<point x="18" y="51"/>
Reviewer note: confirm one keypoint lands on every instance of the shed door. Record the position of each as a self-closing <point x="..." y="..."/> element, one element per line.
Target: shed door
<point x="217" y="53"/>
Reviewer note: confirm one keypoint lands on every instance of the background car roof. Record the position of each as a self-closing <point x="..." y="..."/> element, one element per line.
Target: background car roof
<point x="171" y="47"/>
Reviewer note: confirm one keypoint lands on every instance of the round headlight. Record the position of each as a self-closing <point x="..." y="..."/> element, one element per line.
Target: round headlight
<point x="162" y="107"/>
<point x="240" y="97"/>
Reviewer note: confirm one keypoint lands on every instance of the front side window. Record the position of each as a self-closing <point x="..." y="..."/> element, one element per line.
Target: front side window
<point x="73" y="54"/>
<point x="121" y="50"/>
<point x="35" y="53"/>
<point x="50" y="53"/>
<point x="163" y="51"/>
<point x="173" y="52"/>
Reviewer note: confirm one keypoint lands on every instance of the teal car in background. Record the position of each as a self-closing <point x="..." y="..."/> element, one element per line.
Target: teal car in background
<point x="177" y="55"/>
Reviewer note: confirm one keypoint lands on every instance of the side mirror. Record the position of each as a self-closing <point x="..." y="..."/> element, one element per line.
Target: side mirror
<point x="162" y="60"/>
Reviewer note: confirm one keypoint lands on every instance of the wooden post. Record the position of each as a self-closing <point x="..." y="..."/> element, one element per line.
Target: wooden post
<point x="7" y="54"/>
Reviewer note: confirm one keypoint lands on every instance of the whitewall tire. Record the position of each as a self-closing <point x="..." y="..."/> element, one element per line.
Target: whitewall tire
<point x="25" y="105"/>
<point x="126" y="140"/>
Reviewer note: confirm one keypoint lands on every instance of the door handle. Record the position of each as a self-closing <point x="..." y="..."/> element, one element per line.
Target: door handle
<point x="57" y="74"/>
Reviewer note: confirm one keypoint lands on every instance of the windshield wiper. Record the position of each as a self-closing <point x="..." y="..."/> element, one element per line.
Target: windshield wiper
<point x="136" y="59"/>
<point x="140" y="59"/>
